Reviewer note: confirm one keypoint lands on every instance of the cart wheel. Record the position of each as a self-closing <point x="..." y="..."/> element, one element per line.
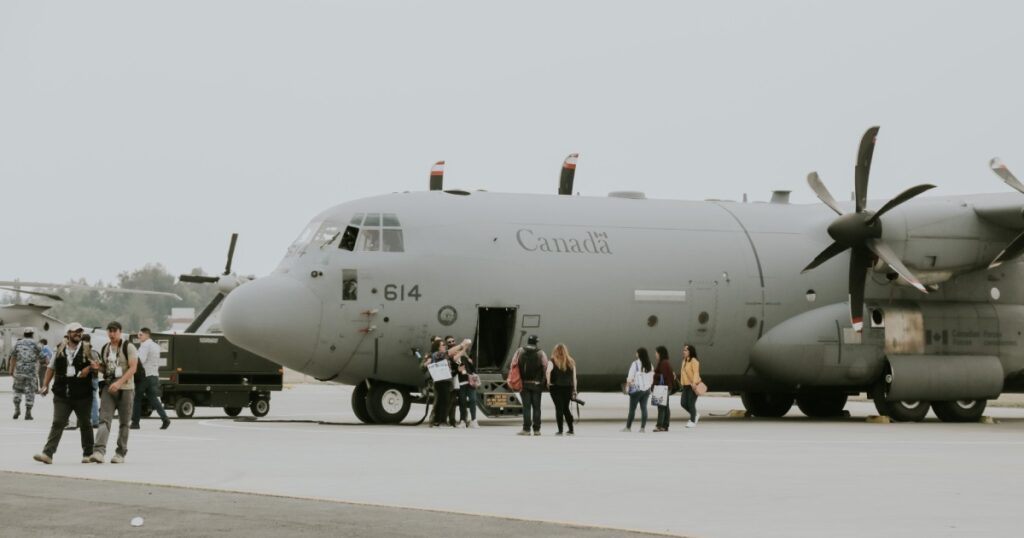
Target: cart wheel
<point x="259" y="408"/>
<point x="185" y="407"/>
<point x="232" y="411"/>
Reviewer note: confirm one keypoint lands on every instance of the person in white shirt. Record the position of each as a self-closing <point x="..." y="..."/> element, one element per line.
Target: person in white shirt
<point x="149" y="360"/>
<point x="638" y="382"/>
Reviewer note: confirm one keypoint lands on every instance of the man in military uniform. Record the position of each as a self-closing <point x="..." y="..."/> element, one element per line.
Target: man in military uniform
<point x="23" y="364"/>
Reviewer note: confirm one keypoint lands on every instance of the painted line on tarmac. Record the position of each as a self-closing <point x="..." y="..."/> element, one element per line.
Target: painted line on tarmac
<point x="366" y="504"/>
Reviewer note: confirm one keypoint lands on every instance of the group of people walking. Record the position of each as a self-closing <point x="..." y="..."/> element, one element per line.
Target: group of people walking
<point x="89" y="384"/>
<point x="645" y="380"/>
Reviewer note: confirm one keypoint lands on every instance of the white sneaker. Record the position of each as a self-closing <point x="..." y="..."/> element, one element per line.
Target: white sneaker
<point x="691" y="424"/>
<point x="117" y="459"/>
<point x="696" y="419"/>
<point x="474" y="425"/>
<point x="642" y="430"/>
<point x="625" y="430"/>
<point x="460" y="425"/>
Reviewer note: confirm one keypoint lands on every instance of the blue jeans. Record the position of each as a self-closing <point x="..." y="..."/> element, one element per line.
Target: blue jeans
<point x="531" y="408"/>
<point x="95" y="401"/>
<point x="641" y="398"/>
<point x="149" y="391"/>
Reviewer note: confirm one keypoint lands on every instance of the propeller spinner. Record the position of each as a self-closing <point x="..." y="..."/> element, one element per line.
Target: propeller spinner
<point x="861" y="230"/>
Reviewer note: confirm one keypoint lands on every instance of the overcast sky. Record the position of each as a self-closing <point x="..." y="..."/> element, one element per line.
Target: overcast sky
<point x="135" y="132"/>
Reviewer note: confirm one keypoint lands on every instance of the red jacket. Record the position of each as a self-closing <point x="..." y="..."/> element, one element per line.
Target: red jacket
<point x="663" y="375"/>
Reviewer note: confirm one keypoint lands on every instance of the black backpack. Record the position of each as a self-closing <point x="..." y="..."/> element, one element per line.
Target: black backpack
<point x="140" y="372"/>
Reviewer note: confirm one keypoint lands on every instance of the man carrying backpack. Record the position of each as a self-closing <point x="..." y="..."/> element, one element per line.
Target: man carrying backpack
<point x="119" y="359"/>
<point x="526" y="375"/>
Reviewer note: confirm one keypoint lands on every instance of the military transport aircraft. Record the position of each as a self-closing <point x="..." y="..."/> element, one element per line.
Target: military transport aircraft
<point x="917" y="304"/>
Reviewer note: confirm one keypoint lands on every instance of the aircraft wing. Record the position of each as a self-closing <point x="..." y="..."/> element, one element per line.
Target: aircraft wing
<point x="18" y="284"/>
<point x="1007" y="213"/>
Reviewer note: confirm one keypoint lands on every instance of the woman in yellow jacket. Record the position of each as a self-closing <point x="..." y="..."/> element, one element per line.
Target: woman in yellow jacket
<point x="689" y="377"/>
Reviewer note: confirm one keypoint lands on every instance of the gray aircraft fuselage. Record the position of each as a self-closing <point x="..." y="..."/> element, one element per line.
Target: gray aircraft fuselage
<point x="606" y="275"/>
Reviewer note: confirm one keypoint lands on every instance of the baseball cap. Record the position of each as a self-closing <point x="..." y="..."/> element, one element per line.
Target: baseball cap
<point x="532" y="340"/>
<point x="75" y="326"/>
<point x="29" y="331"/>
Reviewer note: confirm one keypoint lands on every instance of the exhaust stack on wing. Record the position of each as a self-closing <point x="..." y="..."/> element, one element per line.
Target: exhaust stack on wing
<point x="861" y="231"/>
<point x="437" y="176"/>
<point x="565" y="182"/>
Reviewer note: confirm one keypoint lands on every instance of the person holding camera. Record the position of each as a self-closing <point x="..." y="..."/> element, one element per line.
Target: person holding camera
<point x="439" y="351"/>
<point x="561" y="378"/>
<point x="71" y="369"/>
<point x="527" y="375"/>
<point x="468" y="381"/>
<point x="119" y="361"/>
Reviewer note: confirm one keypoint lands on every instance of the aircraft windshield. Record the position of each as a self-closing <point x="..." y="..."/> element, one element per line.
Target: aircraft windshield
<point x="304" y="238"/>
<point x="317" y="233"/>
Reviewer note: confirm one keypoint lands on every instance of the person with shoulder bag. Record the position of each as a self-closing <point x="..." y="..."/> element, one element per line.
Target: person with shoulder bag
<point x="119" y="359"/>
<point x="666" y="384"/>
<point x="528" y="373"/>
<point x="639" y="381"/>
<point x="71" y="369"/>
<point x="689" y="376"/>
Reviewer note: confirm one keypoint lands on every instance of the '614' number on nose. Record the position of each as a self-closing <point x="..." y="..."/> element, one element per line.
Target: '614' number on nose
<point x="398" y="292"/>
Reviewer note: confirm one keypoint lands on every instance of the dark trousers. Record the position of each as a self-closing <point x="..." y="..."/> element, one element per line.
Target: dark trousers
<point x="689" y="401"/>
<point x="531" y="408"/>
<point x="467" y="399"/>
<point x="561" y="397"/>
<point x="442" y="395"/>
<point x="62" y="409"/>
<point x="148" y="391"/>
<point x="664" y="416"/>
<point x="638" y="398"/>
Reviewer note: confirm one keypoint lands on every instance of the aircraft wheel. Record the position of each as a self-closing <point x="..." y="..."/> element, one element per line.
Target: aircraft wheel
<point x="259" y="407"/>
<point x="822" y="404"/>
<point x="900" y="411"/>
<point x="387" y="403"/>
<point x="959" y="410"/>
<point x="767" y="405"/>
<point x="359" y="404"/>
<point x="184" y="408"/>
<point x="232" y="411"/>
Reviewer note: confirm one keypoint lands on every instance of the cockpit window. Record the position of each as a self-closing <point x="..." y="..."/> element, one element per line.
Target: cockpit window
<point x="373" y="232"/>
<point x="372" y="219"/>
<point x="371" y="240"/>
<point x="348" y="241"/>
<point x="327" y="233"/>
<point x="304" y="238"/>
<point x="393" y="240"/>
<point x="357" y="219"/>
<point x="390" y="219"/>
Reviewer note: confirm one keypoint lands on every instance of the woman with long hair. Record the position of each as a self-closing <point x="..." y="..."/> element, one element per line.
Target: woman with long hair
<point x="638" y="381"/>
<point x="561" y="378"/>
<point x="663" y="375"/>
<point x="689" y="377"/>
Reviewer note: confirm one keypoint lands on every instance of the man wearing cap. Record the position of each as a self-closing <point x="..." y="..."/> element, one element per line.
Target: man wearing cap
<point x="532" y="364"/>
<point x="119" y="359"/>
<point x="71" y="371"/>
<point x="23" y="364"/>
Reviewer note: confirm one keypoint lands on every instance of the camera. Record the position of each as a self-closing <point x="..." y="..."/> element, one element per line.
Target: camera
<point x="577" y="400"/>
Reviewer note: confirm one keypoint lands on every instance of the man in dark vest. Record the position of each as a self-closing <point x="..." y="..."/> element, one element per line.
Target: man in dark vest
<point x="532" y="364"/>
<point x="71" y="369"/>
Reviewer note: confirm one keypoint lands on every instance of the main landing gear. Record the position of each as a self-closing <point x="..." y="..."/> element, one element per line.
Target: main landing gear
<point x="767" y="404"/>
<point x="380" y="403"/>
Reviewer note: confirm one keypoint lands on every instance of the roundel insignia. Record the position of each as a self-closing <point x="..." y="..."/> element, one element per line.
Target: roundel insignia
<point x="447" y="315"/>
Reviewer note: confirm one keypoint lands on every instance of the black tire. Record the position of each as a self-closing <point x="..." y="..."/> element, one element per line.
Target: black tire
<point x="259" y="407"/>
<point x="766" y="404"/>
<point x="822" y="404"/>
<point x="359" y="404"/>
<point x="960" y="410"/>
<point x="184" y="407"/>
<point x="899" y="411"/>
<point x="387" y="403"/>
<point x="232" y="411"/>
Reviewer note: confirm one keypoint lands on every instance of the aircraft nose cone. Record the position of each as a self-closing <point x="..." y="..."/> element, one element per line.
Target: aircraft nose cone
<point x="276" y="317"/>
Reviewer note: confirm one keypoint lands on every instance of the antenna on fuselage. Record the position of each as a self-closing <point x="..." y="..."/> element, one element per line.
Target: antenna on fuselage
<point x="437" y="176"/>
<point x="568" y="174"/>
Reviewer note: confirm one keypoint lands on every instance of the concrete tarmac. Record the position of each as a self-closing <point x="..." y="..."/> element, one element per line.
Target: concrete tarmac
<point x="727" y="477"/>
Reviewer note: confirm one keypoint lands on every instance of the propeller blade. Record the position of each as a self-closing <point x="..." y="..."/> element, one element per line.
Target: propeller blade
<point x="231" y="253"/>
<point x="819" y="188"/>
<point x="198" y="322"/>
<point x="39" y="293"/>
<point x="106" y="289"/>
<point x="997" y="166"/>
<point x="568" y="174"/>
<point x="830" y="252"/>
<point x="899" y="199"/>
<point x="859" y="258"/>
<point x="887" y="255"/>
<point x="1011" y="251"/>
<point x="437" y="176"/>
<point x="198" y="279"/>
<point x="863" y="169"/>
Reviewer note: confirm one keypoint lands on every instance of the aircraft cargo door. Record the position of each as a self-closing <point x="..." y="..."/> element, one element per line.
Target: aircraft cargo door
<point x="495" y="329"/>
<point x="703" y="299"/>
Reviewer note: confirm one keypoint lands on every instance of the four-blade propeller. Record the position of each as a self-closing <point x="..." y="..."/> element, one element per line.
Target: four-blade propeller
<point x="226" y="282"/>
<point x="861" y="231"/>
<point x="1016" y="247"/>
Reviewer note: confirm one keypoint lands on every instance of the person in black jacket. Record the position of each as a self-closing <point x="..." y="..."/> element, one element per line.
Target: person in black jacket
<point x="71" y="369"/>
<point x="532" y="364"/>
<point x="562" y="382"/>
<point x="663" y="375"/>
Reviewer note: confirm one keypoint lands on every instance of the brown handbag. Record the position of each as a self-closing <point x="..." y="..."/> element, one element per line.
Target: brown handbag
<point x="700" y="389"/>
